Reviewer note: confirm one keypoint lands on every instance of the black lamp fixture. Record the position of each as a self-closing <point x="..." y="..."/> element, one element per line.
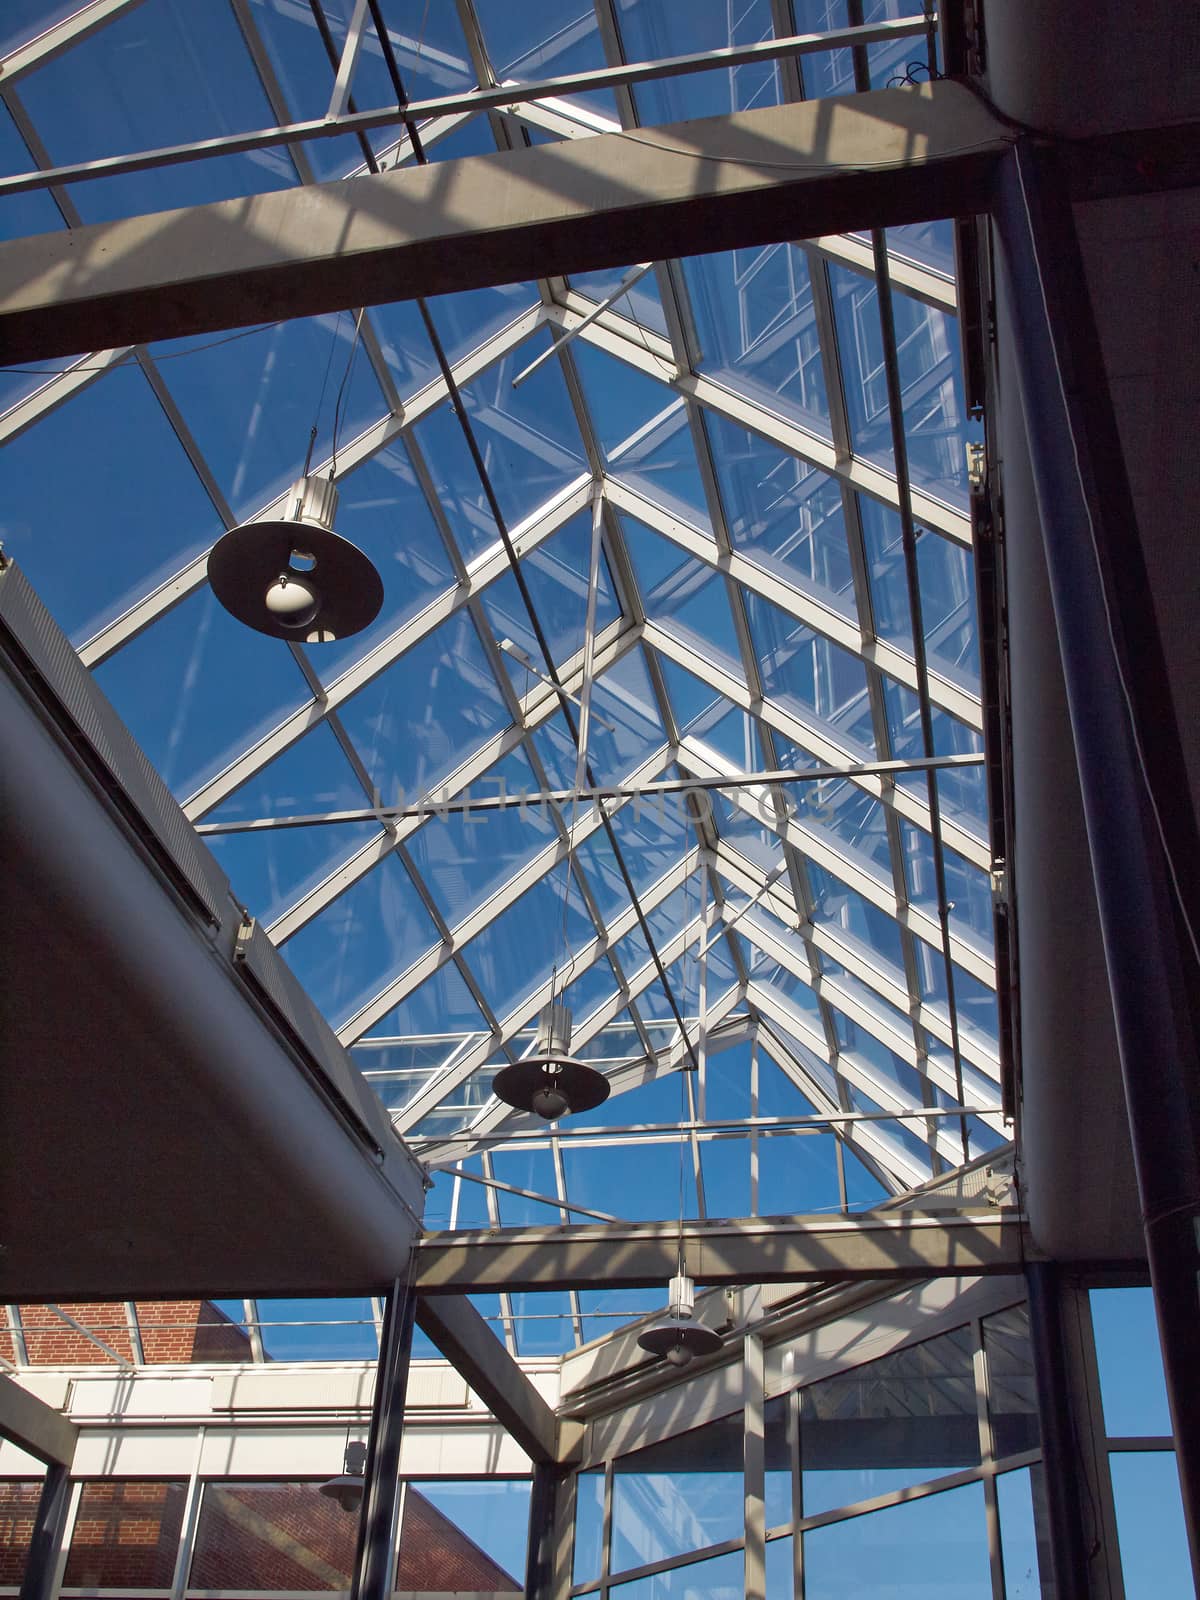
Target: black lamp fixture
<point x="294" y="578"/>
<point x="347" y="1487"/>
<point x="676" y="1336"/>
<point x="550" y="1082"/>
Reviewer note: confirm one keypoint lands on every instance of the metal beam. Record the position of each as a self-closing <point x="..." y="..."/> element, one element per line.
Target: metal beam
<point x="753" y="1250"/>
<point x="830" y="166"/>
<point x="35" y="1426"/>
<point x="471" y="1347"/>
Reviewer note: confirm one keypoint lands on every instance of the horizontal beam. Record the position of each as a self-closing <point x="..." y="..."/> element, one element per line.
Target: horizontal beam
<point x="754" y="1250"/>
<point x="790" y="171"/>
<point x="35" y="1426"/>
<point x="471" y="1347"/>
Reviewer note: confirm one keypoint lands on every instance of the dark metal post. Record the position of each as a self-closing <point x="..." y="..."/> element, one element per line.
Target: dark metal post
<point x="1133" y="780"/>
<point x="38" y="1582"/>
<point x="539" y="1559"/>
<point x="1063" y="1470"/>
<point x="375" y="1554"/>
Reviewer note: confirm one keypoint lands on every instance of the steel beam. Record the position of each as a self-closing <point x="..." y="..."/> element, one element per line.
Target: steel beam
<point x="830" y="166"/>
<point x="471" y="1347"/>
<point x="35" y="1426"/>
<point x="752" y="1250"/>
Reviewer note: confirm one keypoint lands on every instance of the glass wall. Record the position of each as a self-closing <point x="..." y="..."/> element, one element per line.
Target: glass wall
<point x="1140" y="1448"/>
<point x="912" y="1475"/>
<point x="158" y="1537"/>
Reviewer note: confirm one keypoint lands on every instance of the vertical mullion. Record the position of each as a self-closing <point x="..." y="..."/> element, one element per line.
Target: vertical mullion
<point x="189" y="1522"/>
<point x="606" y="1530"/>
<point x="794" y="1450"/>
<point x="253" y="1330"/>
<point x="754" y="1467"/>
<point x="987" y="1456"/>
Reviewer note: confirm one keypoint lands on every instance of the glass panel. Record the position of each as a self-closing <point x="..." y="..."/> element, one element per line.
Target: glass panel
<point x="679" y="1495"/>
<point x="780" y="1560"/>
<point x="270" y="869"/>
<point x="641" y="303"/>
<point x="18" y="1510"/>
<point x="621" y="1180"/>
<point x="49" y="1341"/>
<point x="757" y="329"/>
<point x="589" y="1526"/>
<point x="812" y="677"/>
<point x="318" y="1330"/>
<point x="198" y="688"/>
<point x="930" y="382"/>
<point x="89" y="554"/>
<point x="935" y="1546"/>
<point x="777" y="1499"/>
<point x="463" y="858"/>
<point x="255" y="1536"/>
<point x="1012" y="1391"/>
<point x="126" y="1535"/>
<point x="1018" y="1536"/>
<point x="556" y="575"/>
<point x="1150" y="1528"/>
<point x="946" y="575"/>
<point x="366" y="937"/>
<point x="193" y="1330"/>
<point x="422" y="717"/>
<point x="26" y="19"/>
<point x="1132" y="1385"/>
<point x="684" y="594"/>
<point x="457" y="1537"/>
<point x="797" y="1173"/>
<point x="159" y="75"/>
<point x="650" y="31"/>
<point x="544" y="39"/>
<point x="717" y="1579"/>
<point x="251" y="401"/>
<point x="897" y="1421"/>
<point x="783" y="512"/>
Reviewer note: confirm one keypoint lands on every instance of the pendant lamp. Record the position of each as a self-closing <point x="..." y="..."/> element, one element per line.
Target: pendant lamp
<point x="676" y="1336"/>
<point x="347" y="1487"/>
<point x="550" y="1082"/>
<point x="293" y="577"/>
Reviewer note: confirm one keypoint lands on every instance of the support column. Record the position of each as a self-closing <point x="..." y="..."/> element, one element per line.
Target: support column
<point x="1145" y="856"/>
<point x="1060" y="1457"/>
<point x="539" y="1560"/>
<point x="38" y="1582"/>
<point x="375" y="1555"/>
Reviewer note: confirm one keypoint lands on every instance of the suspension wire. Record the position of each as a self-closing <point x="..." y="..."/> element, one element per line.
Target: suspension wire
<point x="908" y="535"/>
<point x="460" y="411"/>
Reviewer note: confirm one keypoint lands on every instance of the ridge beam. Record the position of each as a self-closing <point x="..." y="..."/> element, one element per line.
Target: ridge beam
<point x="801" y="170"/>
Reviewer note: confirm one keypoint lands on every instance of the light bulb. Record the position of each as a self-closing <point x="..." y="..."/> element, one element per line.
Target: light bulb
<point x="679" y="1355"/>
<point x="293" y="600"/>
<point x="549" y="1102"/>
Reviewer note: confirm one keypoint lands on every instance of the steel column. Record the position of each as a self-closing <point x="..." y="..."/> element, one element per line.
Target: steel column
<point x="1052" y="1373"/>
<point x="375" y="1552"/>
<point x="1141" y="829"/>
<point x="539" y="1560"/>
<point x="38" y="1582"/>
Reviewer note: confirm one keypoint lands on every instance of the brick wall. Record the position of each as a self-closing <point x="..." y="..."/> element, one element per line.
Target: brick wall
<point x="18" y="1507"/>
<point x="171" y="1330"/>
<point x="126" y="1534"/>
<point x="251" y="1535"/>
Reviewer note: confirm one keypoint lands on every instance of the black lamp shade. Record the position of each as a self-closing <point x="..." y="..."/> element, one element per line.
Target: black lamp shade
<point x="249" y="561"/>
<point x="679" y="1340"/>
<point x="551" y="1087"/>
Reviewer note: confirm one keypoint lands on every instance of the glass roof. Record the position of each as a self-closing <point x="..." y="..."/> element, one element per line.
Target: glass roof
<point x="827" y="941"/>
